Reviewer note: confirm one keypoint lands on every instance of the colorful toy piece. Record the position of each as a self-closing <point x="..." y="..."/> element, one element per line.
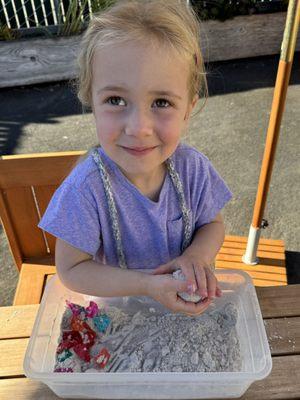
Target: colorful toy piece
<point x="81" y="337"/>
<point x="101" y="322"/>
<point x="64" y="355"/>
<point x="81" y="326"/>
<point x="92" y="310"/>
<point x="88" y="338"/>
<point x="102" y="358"/>
<point x="83" y="352"/>
<point x="59" y="369"/>
<point x="69" y="340"/>
<point x="75" y="308"/>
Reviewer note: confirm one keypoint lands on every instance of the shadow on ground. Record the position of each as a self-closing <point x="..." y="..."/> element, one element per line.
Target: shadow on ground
<point x="247" y="74"/>
<point x="44" y="103"/>
<point x="293" y="266"/>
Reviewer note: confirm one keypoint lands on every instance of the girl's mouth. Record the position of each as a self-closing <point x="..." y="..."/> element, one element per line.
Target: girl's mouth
<point x="138" y="151"/>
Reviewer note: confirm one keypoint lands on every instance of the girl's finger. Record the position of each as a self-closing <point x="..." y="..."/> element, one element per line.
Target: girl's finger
<point x="211" y="283"/>
<point x="193" y="309"/>
<point x="189" y="274"/>
<point x="201" y="281"/>
<point x="164" y="269"/>
<point x="178" y="286"/>
<point x="219" y="292"/>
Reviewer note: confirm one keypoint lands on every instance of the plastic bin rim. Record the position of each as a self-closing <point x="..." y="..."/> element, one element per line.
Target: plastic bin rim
<point x="210" y="376"/>
<point x="149" y="377"/>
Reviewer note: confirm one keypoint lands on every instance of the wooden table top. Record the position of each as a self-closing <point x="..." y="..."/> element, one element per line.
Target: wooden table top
<point x="281" y="312"/>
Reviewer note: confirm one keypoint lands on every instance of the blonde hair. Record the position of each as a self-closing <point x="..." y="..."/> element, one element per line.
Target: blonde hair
<point x="169" y="22"/>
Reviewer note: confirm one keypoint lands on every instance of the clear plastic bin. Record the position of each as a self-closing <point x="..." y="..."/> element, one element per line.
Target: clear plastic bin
<point x="237" y="287"/>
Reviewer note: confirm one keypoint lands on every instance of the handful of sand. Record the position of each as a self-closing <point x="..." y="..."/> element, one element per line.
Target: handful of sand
<point x="178" y="274"/>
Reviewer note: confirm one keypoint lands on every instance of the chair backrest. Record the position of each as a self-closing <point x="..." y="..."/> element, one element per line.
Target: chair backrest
<point x="27" y="183"/>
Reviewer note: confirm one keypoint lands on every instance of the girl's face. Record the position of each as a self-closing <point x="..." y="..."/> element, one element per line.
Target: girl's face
<point x="140" y="104"/>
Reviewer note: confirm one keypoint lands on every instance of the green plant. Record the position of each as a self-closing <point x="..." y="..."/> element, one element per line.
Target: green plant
<point x="72" y="25"/>
<point x="100" y="5"/>
<point x="6" y="33"/>
<point x="75" y="20"/>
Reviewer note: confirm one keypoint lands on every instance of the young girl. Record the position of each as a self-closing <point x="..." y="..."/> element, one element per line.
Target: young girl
<point x="142" y="200"/>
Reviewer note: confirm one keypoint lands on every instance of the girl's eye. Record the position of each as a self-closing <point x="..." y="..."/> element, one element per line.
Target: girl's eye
<point x="115" y="101"/>
<point x="162" y="103"/>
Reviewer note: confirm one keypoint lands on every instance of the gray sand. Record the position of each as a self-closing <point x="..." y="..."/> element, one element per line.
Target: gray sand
<point x="165" y="342"/>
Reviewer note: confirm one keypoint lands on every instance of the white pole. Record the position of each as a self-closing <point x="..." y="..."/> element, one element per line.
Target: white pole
<point x="250" y="256"/>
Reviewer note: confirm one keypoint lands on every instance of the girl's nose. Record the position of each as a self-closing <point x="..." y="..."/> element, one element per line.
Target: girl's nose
<point x="139" y="123"/>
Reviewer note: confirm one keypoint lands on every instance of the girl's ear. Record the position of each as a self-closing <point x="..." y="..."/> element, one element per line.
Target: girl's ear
<point x="190" y="107"/>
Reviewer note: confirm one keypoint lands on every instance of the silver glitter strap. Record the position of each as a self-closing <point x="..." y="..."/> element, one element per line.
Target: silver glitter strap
<point x="111" y="207"/>
<point x="186" y="213"/>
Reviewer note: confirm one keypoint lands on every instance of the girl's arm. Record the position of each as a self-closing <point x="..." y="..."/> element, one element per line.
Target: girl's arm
<point x="207" y="242"/>
<point x="80" y="273"/>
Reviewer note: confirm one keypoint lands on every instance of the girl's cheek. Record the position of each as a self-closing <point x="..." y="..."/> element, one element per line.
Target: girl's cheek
<point x="169" y="129"/>
<point x="108" y="124"/>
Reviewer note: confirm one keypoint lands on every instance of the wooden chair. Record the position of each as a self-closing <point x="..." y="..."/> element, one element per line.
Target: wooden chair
<point x="27" y="183"/>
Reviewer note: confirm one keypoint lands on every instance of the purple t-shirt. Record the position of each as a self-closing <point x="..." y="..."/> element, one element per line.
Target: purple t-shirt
<point x="152" y="232"/>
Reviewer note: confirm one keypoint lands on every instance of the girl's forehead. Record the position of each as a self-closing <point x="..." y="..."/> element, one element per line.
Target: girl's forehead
<point x="138" y="63"/>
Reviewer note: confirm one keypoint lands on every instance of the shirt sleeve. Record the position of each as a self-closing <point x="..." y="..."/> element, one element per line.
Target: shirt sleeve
<point x="213" y="196"/>
<point x="73" y="217"/>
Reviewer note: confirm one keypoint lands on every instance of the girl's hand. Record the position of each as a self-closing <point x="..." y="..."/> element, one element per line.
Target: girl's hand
<point x="164" y="289"/>
<point x="200" y="279"/>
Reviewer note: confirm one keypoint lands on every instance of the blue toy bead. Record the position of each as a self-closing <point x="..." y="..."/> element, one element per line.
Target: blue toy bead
<point x="101" y="322"/>
<point x="63" y="356"/>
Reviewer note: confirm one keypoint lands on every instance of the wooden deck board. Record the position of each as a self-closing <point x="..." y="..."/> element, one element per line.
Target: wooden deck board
<point x="283" y="335"/>
<point x="12" y="355"/>
<point x="262" y="247"/>
<point x="240" y="253"/>
<point x="271" y="268"/>
<point x="14" y="320"/>
<point x="275" y="385"/>
<point x="280" y="301"/>
<point x="244" y="239"/>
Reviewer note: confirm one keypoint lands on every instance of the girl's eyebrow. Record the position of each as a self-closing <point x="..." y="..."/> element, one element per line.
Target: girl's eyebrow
<point x="152" y="92"/>
<point x="111" y="88"/>
<point x="165" y="93"/>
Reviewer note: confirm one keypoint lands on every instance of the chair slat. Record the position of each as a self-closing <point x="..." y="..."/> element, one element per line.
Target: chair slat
<point x="36" y="171"/>
<point x="31" y="283"/>
<point x="9" y="230"/>
<point x="43" y="196"/>
<point x="29" y="236"/>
